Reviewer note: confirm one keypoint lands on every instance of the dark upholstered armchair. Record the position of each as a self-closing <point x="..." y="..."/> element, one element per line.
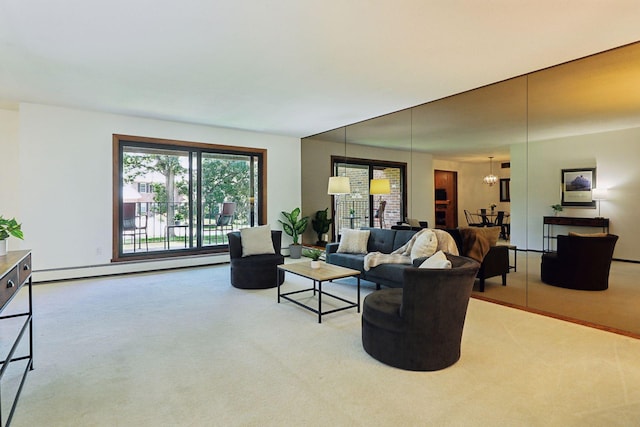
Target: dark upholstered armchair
<point x="419" y="327"/>
<point x="255" y="271"/>
<point x="581" y="262"/>
<point x="495" y="263"/>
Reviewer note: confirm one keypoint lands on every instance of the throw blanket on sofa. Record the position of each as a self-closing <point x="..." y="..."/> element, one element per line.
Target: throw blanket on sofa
<point x="402" y="255"/>
<point x="373" y="259"/>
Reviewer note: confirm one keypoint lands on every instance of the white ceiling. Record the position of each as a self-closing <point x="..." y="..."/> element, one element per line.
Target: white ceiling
<point x="287" y="67"/>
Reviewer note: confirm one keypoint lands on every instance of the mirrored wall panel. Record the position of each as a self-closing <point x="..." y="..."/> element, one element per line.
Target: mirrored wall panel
<point x="584" y="128"/>
<point x="542" y="136"/>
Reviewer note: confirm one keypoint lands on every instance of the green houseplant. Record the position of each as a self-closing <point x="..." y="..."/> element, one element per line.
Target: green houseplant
<point x="321" y="225"/>
<point x="8" y="228"/>
<point x="556" y="208"/>
<point x="178" y="217"/>
<point x="294" y="227"/>
<point x="315" y="255"/>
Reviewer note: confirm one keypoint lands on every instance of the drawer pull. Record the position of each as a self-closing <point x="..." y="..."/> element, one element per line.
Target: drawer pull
<point x="10" y="284"/>
<point x="26" y="267"/>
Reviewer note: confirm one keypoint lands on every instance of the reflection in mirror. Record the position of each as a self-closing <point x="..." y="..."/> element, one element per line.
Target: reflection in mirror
<point x="317" y="152"/>
<point x="461" y="132"/>
<point x="382" y="146"/>
<point x="586" y="114"/>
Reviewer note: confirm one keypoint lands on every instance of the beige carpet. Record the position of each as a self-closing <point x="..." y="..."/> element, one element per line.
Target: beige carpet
<point x="184" y="348"/>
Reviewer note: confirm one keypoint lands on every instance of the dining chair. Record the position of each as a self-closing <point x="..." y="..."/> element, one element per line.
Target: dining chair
<point x="134" y="225"/>
<point x="485" y="218"/>
<point x="499" y="222"/>
<point x="471" y="220"/>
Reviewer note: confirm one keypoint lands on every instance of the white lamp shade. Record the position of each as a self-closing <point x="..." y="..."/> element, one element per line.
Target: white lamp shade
<point x="379" y="186"/>
<point x="599" y="194"/>
<point x="339" y="185"/>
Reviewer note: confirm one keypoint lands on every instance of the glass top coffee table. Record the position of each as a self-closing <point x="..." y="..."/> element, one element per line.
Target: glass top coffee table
<point x="326" y="272"/>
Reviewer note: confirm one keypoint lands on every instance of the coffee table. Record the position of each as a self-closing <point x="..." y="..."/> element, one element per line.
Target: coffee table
<point x="326" y="272"/>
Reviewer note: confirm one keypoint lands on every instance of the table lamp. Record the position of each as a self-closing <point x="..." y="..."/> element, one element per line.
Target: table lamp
<point x="599" y="194"/>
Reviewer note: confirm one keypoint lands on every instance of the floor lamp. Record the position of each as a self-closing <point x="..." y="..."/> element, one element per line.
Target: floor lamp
<point x="380" y="187"/>
<point x="338" y="185"/>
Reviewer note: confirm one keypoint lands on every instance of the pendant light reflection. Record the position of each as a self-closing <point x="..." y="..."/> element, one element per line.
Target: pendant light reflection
<point x="340" y="184"/>
<point x="491" y="178"/>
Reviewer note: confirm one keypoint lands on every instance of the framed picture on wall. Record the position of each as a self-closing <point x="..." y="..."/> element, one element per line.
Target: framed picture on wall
<point x="505" y="196"/>
<point x="577" y="187"/>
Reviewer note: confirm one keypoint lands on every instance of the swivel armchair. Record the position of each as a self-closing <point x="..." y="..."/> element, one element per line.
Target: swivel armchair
<point x="255" y="271"/>
<point x="581" y="262"/>
<point x="419" y="327"/>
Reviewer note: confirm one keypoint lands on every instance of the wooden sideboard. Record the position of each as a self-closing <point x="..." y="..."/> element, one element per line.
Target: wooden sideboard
<point x="548" y="235"/>
<point x="15" y="272"/>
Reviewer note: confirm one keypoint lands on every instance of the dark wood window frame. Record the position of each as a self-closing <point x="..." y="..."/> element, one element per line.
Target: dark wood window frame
<point x="117" y="174"/>
<point x="372" y="164"/>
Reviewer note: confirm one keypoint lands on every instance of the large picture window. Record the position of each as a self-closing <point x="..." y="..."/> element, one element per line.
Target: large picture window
<point x="176" y="198"/>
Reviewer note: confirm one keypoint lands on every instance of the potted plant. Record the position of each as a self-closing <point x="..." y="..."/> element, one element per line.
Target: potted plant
<point x="493" y="206"/>
<point x="315" y="255"/>
<point x="321" y="225"/>
<point x="8" y="227"/>
<point x="294" y="227"/>
<point x="178" y="217"/>
<point x="557" y="208"/>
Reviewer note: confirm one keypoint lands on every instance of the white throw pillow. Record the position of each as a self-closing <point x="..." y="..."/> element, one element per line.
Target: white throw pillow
<point x="354" y="241"/>
<point x="437" y="260"/>
<point x="256" y="241"/>
<point x="425" y="245"/>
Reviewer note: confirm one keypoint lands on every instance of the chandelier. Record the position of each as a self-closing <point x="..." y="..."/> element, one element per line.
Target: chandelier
<point x="491" y="178"/>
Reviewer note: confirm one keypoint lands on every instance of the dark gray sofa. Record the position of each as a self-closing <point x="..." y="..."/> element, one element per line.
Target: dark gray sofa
<point x="495" y="262"/>
<point x="381" y="240"/>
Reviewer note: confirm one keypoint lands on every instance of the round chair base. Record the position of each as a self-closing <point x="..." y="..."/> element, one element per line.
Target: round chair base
<point x="259" y="272"/>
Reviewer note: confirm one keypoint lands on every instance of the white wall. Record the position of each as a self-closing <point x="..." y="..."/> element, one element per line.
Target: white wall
<point x="9" y="182"/>
<point x="65" y="179"/>
<point x="615" y="155"/>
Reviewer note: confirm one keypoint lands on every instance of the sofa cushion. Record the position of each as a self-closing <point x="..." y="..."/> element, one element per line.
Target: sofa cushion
<point x="457" y="237"/>
<point x="256" y="241"/>
<point x="446" y="242"/>
<point x="381" y="240"/>
<point x="402" y="237"/>
<point x="354" y="261"/>
<point x="425" y="245"/>
<point x="354" y="241"/>
<point x="573" y="233"/>
<point x="437" y="260"/>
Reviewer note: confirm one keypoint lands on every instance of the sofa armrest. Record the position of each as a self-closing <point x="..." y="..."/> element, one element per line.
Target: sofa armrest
<point x="331" y="248"/>
<point x="235" y="244"/>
